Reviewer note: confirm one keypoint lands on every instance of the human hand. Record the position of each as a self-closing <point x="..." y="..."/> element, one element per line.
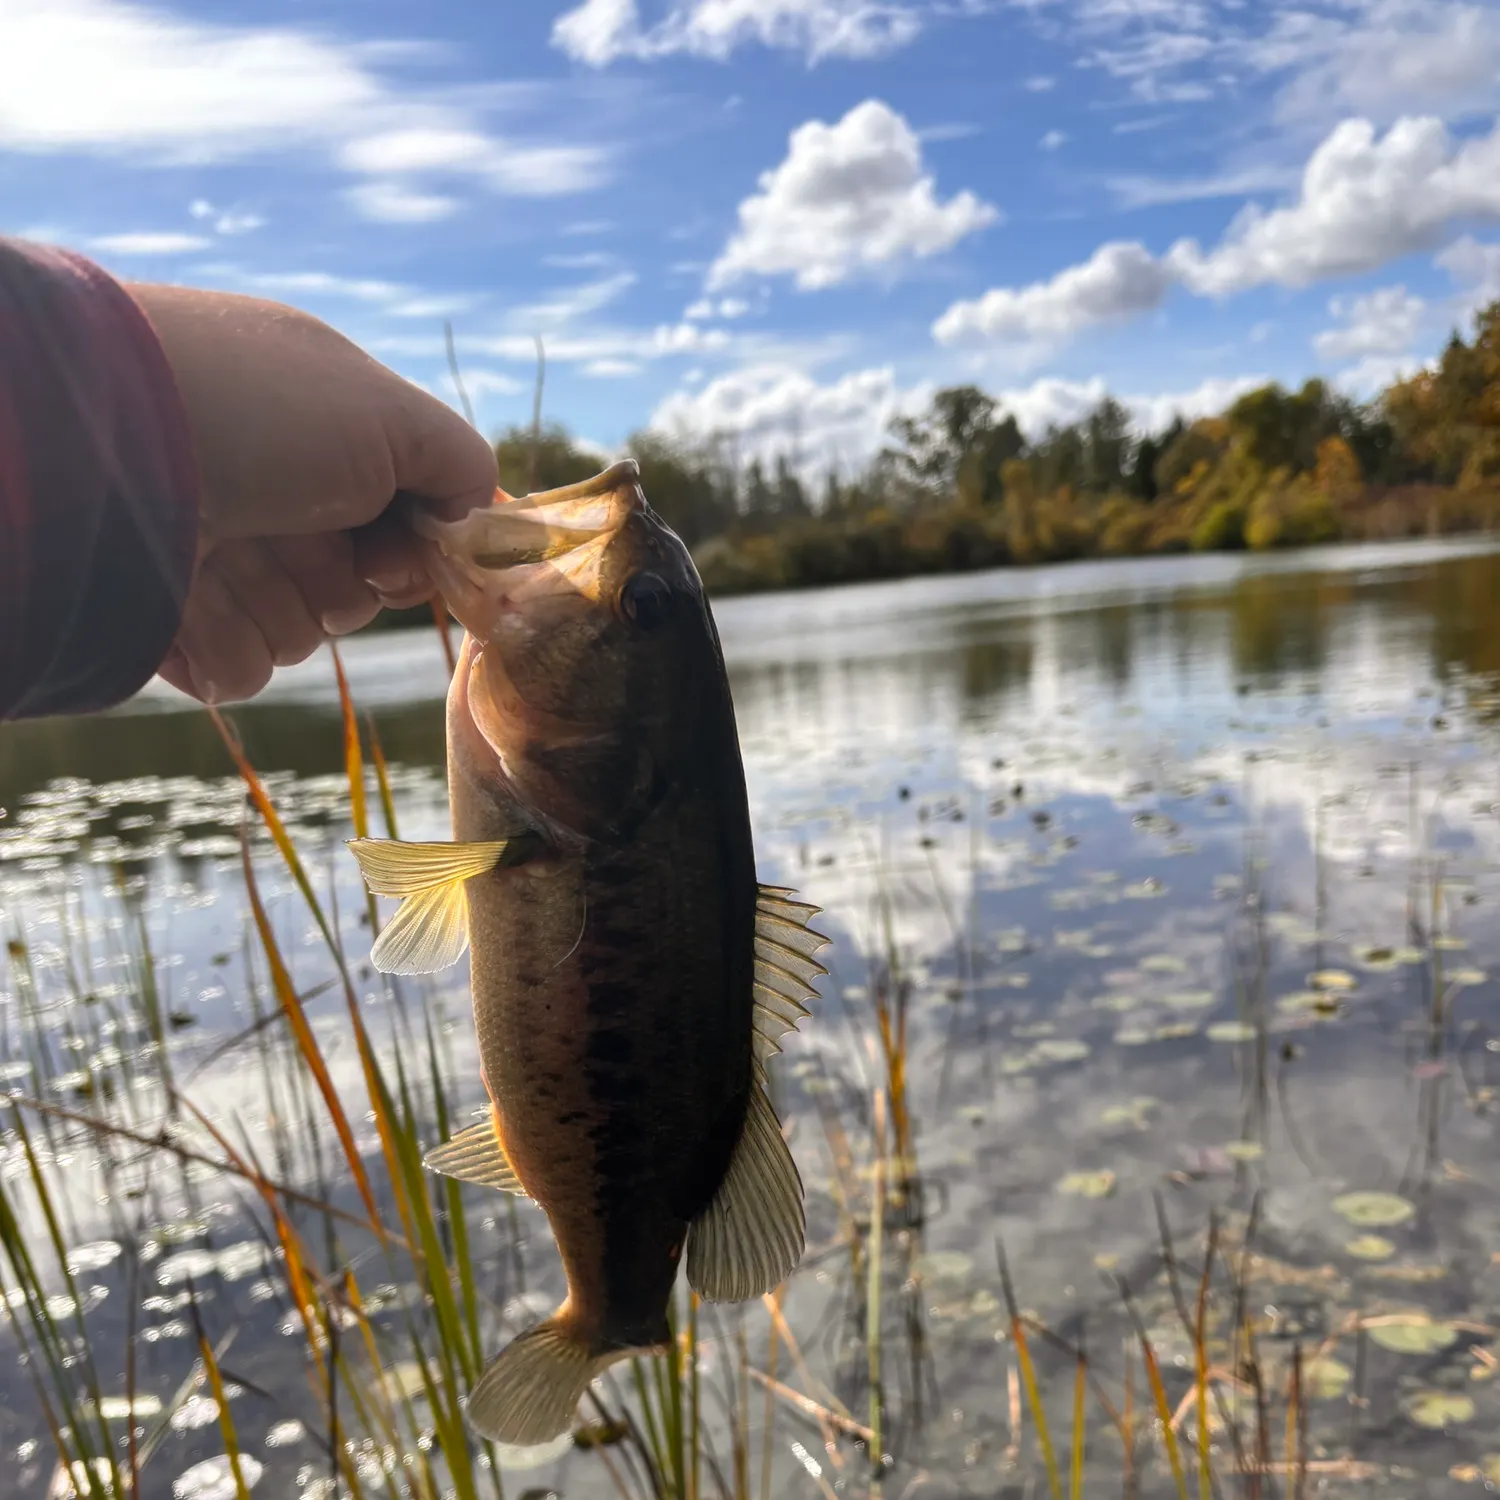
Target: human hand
<point x="302" y="442"/>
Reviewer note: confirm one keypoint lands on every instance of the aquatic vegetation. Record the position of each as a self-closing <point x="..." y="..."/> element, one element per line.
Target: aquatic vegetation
<point x="223" y="1262"/>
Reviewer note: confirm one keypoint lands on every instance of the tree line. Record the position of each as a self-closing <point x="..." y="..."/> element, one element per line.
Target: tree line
<point x="960" y="485"/>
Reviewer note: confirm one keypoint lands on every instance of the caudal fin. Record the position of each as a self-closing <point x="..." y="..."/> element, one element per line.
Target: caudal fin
<point x="530" y="1390"/>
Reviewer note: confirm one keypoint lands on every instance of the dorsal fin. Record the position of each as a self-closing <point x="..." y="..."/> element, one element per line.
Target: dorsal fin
<point x="785" y="967"/>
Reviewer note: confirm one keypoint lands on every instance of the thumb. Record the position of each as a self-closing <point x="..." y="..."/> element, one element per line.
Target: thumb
<point x="436" y="455"/>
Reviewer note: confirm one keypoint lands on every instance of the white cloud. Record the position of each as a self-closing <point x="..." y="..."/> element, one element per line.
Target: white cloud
<point x="1055" y="402"/>
<point x="599" y="32"/>
<point x="766" y="410"/>
<point x="1365" y="200"/>
<point x="1382" y="59"/>
<point x="1376" y="372"/>
<point x="568" y="304"/>
<point x="611" y="369"/>
<point x="321" y="283"/>
<point x="238" y="223"/>
<point x="848" y="198"/>
<point x="1475" y="267"/>
<point x="725" y="307"/>
<point x="1207" y="399"/>
<point x="1380" y="323"/>
<point x="118" y="79"/>
<point x="1119" y="281"/>
<point x="688" y="338"/>
<point x="429" y="307"/>
<point x="481" y="382"/>
<point x="1053" y="139"/>
<point x="228" y="221"/>
<point x="150" y="242"/>
<point x="396" y="203"/>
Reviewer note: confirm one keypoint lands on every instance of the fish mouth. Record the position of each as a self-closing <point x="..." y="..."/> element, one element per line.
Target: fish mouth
<point x="560" y="533"/>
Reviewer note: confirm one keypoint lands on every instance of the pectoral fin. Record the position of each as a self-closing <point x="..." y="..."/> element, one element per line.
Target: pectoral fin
<point x="476" y="1155"/>
<point x="431" y="927"/>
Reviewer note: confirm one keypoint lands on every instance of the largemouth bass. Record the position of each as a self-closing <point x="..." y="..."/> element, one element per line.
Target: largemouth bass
<point x="629" y="976"/>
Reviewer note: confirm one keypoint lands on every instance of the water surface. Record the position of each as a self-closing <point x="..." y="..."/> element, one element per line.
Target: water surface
<point x="1182" y="870"/>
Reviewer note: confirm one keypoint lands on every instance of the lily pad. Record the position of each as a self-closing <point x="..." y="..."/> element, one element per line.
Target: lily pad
<point x="1331" y="979"/>
<point x="1370" y="1247"/>
<point x="1438" y="1409"/>
<point x="944" y="1265"/>
<point x="1230" y="1031"/>
<point x="1189" y="999"/>
<point x="1326" y="1379"/>
<point x="1061" y="1049"/>
<point x="1164" y="963"/>
<point x="1088" y="1184"/>
<point x="1468" y="976"/>
<point x="1419" y="1336"/>
<point x="1373" y="1210"/>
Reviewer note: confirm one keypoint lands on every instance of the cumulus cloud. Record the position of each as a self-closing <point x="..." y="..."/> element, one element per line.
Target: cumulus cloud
<point x="1381" y="323"/>
<point x="768" y="410"/>
<point x="1382" y="59"/>
<point x="1364" y="200"/>
<point x="852" y="197"/>
<point x="128" y="80"/>
<point x="1475" y="268"/>
<point x="600" y="32"/>
<point x="1119" y="281"/>
<point x="773" y="409"/>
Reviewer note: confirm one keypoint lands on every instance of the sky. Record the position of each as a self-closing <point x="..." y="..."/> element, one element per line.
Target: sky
<point x="780" y="223"/>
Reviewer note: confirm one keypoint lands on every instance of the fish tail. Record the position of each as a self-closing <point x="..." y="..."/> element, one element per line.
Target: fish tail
<point x="530" y="1390"/>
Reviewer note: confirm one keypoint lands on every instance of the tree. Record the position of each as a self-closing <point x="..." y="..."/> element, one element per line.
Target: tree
<point x="684" y="486"/>
<point x="554" y="459"/>
<point x="1140" y="480"/>
<point x="1106" y="447"/>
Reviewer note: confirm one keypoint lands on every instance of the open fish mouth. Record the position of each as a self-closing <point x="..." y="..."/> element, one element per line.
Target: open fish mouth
<point x="539" y="527"/>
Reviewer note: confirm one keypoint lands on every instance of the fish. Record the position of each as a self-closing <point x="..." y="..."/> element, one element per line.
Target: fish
<point x="630" y="977"/>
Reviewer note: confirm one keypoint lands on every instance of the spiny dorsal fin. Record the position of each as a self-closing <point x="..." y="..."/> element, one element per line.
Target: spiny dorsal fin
<point x="476" y="1155"/>
<point x="750" y="1237"/>
<point x="784" y="965"/>
<point x="431" y="927"/>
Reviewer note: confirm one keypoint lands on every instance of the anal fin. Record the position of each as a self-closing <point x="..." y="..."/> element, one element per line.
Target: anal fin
<point x="476" y="1155"/>
<point x="750" y="1237"/>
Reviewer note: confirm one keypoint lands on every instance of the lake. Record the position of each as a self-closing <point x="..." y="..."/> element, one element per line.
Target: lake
<point x="1161" y="901"/>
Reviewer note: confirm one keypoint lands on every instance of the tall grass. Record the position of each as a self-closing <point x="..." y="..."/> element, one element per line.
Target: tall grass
<point x="735" y="1410"/>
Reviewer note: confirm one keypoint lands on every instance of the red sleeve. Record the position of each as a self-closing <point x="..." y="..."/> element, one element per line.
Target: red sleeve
<point x="98" y="488"/>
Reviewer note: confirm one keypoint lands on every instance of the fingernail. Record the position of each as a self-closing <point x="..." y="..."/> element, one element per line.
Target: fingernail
<point x="343" y="621"/>
<point x="206" y="689"/>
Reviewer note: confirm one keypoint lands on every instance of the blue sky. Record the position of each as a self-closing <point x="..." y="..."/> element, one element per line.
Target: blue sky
<point x="782" y="221"/>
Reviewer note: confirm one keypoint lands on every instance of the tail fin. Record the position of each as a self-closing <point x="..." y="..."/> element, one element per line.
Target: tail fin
<point x="530" y="1390"/>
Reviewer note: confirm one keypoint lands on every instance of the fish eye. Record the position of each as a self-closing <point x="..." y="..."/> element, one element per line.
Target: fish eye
<point x="645" y="600"/>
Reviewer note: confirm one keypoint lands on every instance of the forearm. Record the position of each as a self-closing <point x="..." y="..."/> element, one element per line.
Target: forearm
<point x="98" y="490"/>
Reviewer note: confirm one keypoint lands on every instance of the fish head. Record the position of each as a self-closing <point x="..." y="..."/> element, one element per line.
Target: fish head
<point x="590" y="648"/>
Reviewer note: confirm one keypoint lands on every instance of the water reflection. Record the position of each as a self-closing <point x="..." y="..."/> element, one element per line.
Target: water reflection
<point x="1173" y="878"/>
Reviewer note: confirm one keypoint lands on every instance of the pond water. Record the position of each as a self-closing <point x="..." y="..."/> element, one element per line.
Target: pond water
<point x="1176" y="880"/>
